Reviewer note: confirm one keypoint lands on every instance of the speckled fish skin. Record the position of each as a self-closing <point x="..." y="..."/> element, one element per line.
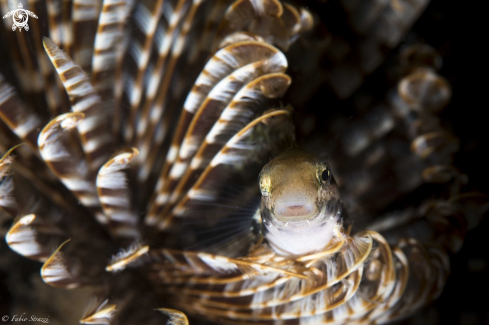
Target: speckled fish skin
<point x="146" y="127"/>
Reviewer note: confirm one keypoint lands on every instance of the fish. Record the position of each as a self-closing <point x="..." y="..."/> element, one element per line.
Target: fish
<point x="160" y="167"/>
<point x="307" y="268"/>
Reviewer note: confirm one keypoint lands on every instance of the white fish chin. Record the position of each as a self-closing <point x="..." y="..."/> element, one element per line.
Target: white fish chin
<point x="300" y="237"/>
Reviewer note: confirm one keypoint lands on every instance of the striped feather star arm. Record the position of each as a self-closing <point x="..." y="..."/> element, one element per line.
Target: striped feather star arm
<point x="246" y="103"/>
<point x="94" y="130"/>
<point x="115" y="195"/>
<point x="60" y="148"/>
<point x="240" y="149"/>
<point x="224" y="63"/>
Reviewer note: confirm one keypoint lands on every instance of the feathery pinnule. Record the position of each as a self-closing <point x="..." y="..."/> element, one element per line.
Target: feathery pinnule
<point x="170" y="51"/>
<point x="382" y="313"/>
<point x="421" y="89"/>
<point x="241" y="149"/>
<point x="42" y="222"/>
<point x="99" y="312"/>
<point x="111" y="42"/>
<point x="84" y="15"/>
<point x="224" y="63"/>
<point x="227" y="108"/>
<point x="95" y="132"/>
<point x="169" y="41"/>
<point x="271" y="296"/>
<point x="61" y="149"/>
<point x="209" y="265"/>
<point x="232" y="119"/>
<point x="68" y="268"/>
<point x="425" y="90"/>
<point x="277" y="23"/>
<point x="286" y="288"/>
<point x="425" y="275"/>
<point x="53" y="90"/>
<point x="161" y="106"/>
<point x="176" y="316"/>
<point x="55" y="271"/>
<point x="59" y="31"/>
<point x="156" y="111"/>
<point x="31" y="236"/>
<point x="33" y="171"/>
<point x="199" y="48"/>
<point x="115" y="197"/>
<point x="108" y="48"/>
<point x="7" y="137"/>
<point x="34" y="237"/>
<point x="239" y="37"/>
<point x="126" y="257"/>
<point x="146" y="17"/>
<point x="8" y="203"/>
<point x="242" y="12"/>
<point x="55" y="20"/>
<point x="67" y="29"/>
<point x="21" y="118"/>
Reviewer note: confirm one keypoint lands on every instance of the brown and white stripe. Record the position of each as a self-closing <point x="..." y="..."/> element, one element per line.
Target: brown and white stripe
<point x="67" y="29"/>
<point x="242" y="12"/>
<point x="115" y="197"/>
<point x="238" y="151"/>
<point x="269" y="295"/>
<point x="99" y="312"/>
<point x="176" y="316"/>
<point x="108" y="48"/>
<point x="53" y="89"/>
<point x="95" y="130"/>
<point x="152" y="126"/>
<point x="246" y="103"/>
<point x="21" y="118"/>
<point x="127" y="257"/>
<point x="21" y="238"/>
<point x="213" y="115"/>
<point x="146" y="16"/>
<point x="169" y="50"/>
<point x="8" y="203"/>
<point x="60" y="148"/>
<point x="223" y="64"/>
<point x="56" y="271"/>
<point x="35" y="237"/>
<point x="84" y="15"/>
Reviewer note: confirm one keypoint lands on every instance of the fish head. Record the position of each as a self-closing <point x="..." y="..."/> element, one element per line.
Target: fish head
<point x="300" y="204"/>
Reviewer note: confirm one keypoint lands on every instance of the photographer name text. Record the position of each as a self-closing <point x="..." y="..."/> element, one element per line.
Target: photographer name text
<point x="25" y="318"/>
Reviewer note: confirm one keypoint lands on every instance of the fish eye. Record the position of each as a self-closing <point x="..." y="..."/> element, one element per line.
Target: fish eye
<point x="326" y="175"/>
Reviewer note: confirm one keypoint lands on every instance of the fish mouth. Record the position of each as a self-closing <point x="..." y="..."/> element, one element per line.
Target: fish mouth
<point x="295" y="212"/>
<point x="295" y="207"/>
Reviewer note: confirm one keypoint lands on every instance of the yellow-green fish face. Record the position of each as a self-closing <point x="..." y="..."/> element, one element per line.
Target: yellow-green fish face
<point x="300" y="202"/>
